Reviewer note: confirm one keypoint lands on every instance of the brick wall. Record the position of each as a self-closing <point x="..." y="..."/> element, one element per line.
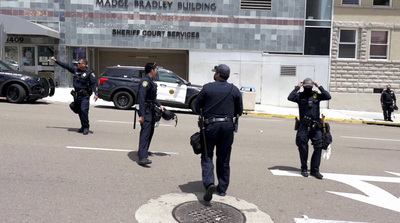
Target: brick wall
<point x="361" y="75"/>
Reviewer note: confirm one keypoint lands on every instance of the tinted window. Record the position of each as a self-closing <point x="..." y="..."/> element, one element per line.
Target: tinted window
<point x="122" y="72"/>
<point x="167" y="77"/>
<point x="5" y="67"/>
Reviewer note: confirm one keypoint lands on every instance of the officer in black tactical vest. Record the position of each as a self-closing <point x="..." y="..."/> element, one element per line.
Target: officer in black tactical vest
<point x="220" y="102"/>
<point x="388" y="101"/>
<point x="84" y="83"/>
<point x="310" y="124"/>
<point x="147" y="99"/>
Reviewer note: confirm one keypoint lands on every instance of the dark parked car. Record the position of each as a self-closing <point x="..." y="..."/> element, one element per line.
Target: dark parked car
<point x="19" y="86"/>
<point x="120" y="85"/>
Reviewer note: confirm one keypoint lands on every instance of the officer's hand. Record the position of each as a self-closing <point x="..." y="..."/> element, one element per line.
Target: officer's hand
<point x="53" y="59"/>
<point x="316" y="84"/>
<point x="300" y="84"/>
<point x="141" y="119"/>
<point x="162" y="108"/>
<point x="95" y="97"/>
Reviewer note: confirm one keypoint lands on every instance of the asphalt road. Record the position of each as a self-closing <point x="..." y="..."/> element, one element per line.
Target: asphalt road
<point x="51" y="173"/>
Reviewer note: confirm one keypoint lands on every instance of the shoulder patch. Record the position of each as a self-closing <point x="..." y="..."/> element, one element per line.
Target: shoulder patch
<point x="93" y="75"/>
<point x="145" y="83"/>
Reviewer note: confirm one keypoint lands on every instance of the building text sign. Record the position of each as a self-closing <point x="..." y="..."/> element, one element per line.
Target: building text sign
<point x="155" y="33"/>
<point x="158" y="5"/>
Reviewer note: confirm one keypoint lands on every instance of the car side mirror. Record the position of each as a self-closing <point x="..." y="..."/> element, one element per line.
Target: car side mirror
<point x="179" y="82"/>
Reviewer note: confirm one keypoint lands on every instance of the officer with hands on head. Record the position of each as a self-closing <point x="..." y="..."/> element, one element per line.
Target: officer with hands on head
<point x="310" y="124"/>
<point x="221" y="102"/>
<point x="388" y="100"/>
<point x="147" y="97"/>
<point x="84" y="82"/>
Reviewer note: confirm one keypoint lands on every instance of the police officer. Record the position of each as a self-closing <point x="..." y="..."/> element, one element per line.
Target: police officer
<point x="221" y="102"/>
<point x="84" y="83"/>
<point x="388" y="100"/>
<point x="310" y="124"/>
<point x="147" y="97"/>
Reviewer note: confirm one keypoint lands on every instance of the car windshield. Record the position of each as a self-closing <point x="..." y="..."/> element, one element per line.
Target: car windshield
<point x="5" y="67"/>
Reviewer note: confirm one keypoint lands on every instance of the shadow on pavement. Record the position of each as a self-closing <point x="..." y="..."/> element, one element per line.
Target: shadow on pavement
<point x="288" y="168"/>
<point x="67" y="128"/>
<point x="194" y="187"/>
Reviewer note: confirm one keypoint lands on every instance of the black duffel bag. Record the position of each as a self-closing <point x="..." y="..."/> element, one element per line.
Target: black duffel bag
<point x="196" y="142"/>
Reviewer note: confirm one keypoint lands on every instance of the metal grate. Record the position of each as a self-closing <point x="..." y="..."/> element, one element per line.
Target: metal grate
<point x="288" y="70"/>
<point x="261" y="5"/>
<point x="214" y="212"/>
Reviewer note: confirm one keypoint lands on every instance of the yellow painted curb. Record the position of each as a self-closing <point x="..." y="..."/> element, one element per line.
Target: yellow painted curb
<point x="381" y="123"/>
<point x="294" y="116"/>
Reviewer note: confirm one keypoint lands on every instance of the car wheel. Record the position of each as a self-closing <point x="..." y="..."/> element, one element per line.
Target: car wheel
<point x="123" y="100"/>
<point x="193" y="105"/>
<point x="15" y="93"/>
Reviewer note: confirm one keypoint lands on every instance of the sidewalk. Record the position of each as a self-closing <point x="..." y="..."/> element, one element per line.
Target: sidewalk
<point x="63" y="95"/>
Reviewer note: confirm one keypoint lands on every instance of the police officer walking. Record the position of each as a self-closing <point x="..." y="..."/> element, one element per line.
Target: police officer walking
<point x="147" y="97"/>
<point x="84" y="83"/>
<point x="388" y="100"/>
<point x="220" y="102"/>
<point x="310" y="124"/>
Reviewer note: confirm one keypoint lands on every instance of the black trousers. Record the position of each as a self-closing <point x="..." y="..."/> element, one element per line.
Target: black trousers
<point x="387" y="111"/>
<point x="219" y="135"/>
<point x="302" y="138"/>
<point x="83" y="102"/>
<point x="146" y="134"/>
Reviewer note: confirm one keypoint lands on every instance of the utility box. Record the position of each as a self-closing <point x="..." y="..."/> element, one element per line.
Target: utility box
<point x="249" y="98"/>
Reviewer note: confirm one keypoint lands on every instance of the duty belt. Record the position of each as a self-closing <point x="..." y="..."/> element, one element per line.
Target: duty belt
<point x="214" y="120"/>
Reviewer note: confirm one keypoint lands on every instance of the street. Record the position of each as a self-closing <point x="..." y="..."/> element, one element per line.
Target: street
<point x="51" y="173"/>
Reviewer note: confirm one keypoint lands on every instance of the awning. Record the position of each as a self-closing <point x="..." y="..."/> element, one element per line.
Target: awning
<point x="18" y="26"/>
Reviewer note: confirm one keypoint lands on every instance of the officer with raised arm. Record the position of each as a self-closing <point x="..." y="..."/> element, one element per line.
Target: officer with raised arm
<point x="84" y="83"/>
<point x="310" y="124"/>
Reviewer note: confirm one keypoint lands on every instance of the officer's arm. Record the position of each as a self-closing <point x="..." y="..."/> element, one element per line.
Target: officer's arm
<point x="200" y="100"/>
<point x="394" y="97"/>
<point x="293" y="96"/>
<point x="142" y="99"/>
<point x="66" y="66"/>
<point x="238" y="104"/>
<point x="93" y="81"/>
<point x="324" y="94"/>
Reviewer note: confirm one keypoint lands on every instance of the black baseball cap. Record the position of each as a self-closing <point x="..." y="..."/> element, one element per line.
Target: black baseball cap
<point x="223" y="70"/>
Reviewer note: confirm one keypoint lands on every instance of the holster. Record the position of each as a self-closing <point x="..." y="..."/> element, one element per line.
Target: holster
<point x="296" y="124"/>
<point x="74" y="94"/>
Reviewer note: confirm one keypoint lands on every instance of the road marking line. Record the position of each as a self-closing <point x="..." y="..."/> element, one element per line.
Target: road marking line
<point x="115" y="150"/>
<point x="377" y="139"/>
<point x="309" y="220"/>
<point x="120" y="122"/>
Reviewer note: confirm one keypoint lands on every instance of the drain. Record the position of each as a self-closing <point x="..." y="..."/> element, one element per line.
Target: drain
<point x="213" y="212"/>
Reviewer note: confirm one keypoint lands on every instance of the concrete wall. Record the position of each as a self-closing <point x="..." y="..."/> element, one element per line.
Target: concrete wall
<point x="260" y="71"/>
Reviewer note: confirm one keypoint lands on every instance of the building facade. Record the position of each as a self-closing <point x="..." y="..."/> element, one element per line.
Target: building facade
<point x="269" y="45"/>
<point x="365" y="52"/>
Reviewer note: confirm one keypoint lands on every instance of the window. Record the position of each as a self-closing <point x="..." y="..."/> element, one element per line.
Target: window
<point x="317" y="41"/>
<point x="11" y="56"/>
<point x="45" y="53"/>
<point x="261" y="5"/>
<point x="77" y="54"/>
<point x="382" y="2"/>
<point x="347" y="44"/>
<point x="167" y="77"/>
<point x="351" y="2"/>
<point x="379" y="45"/>
<point x="28" y="57"/>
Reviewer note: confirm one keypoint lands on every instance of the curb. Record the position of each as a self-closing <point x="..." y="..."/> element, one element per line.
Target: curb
<point x="331" y="119"/>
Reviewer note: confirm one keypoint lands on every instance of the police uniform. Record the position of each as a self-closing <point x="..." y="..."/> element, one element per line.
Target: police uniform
<point x="84" y="82"/>
<point x="219" y="129"/>
<point x="147" y="97"/>
<point x="310" y="126"/>
<point x="388" y="98"/>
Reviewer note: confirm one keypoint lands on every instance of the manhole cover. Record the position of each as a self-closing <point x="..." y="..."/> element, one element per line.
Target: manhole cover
<point x="194" y="211"/>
